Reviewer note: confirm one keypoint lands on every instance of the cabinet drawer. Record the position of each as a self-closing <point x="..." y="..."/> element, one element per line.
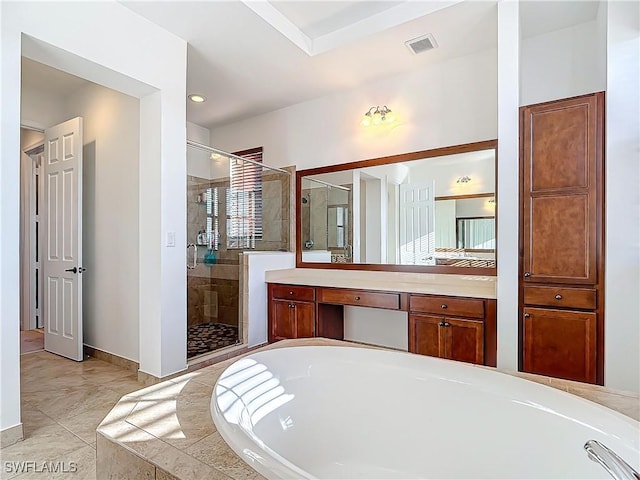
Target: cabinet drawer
<point x="454" y="306"/>
<point x="361" y="298"/>
<point x="561" y="297"/>
<point x="293" y="292"/>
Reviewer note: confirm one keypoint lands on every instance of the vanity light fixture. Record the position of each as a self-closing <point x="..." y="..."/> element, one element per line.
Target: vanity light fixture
<point x="377" y="115"/>
<point x="197" y="98"/>
<point x="464" y="179"/>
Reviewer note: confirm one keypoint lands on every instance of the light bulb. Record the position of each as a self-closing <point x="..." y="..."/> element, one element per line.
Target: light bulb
<point x="366" y="121"/>
<point x="377" y="118"/>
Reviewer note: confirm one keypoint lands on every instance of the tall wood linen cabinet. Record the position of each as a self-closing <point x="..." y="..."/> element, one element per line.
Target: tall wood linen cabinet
<point x="561" y="238"/>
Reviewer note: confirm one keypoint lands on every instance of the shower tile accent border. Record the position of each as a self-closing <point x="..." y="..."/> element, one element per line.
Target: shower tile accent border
<point x="199" y="453"/>
<point x="116" y="360"/>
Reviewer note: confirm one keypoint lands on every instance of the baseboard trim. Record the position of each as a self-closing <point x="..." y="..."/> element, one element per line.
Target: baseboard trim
<point x="121" y="362"/>
<point x="11" y="435"/>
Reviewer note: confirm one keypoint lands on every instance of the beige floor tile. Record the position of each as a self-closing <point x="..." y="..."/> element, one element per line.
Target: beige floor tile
<point x="84" y="424"/>
<point x="68" y="402"/>
<point x="124" y="385"/>
<point x="33" y="420"/>
<point x="50" y="443"/>
<point x="77" y="465"/>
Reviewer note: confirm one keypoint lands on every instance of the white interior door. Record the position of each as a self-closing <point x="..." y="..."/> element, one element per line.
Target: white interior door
<point x="417" y="232"/>
<point x="62" y="239"/>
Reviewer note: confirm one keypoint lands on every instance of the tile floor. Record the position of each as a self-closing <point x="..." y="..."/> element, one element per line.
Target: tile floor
<point x="62" y="404"/>
<point x="31" y="340"/>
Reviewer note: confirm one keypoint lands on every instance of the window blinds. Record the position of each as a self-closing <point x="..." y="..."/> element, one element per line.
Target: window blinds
<point x="244" y="201"/>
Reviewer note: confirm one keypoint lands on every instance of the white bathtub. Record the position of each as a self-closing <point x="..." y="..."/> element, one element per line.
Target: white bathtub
<point x="342" y="412"/>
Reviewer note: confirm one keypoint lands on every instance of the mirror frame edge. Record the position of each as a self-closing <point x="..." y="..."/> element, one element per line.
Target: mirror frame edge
<point x="403" y="157"/>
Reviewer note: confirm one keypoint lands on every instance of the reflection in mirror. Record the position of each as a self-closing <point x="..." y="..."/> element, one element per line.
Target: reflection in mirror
<point x="425" y="212"/>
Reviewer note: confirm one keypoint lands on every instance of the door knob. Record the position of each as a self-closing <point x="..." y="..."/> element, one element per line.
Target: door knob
<point x="72" y="270"/>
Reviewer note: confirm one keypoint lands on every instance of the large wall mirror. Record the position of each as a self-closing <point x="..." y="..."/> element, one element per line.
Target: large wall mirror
<point x="429" y="211"/>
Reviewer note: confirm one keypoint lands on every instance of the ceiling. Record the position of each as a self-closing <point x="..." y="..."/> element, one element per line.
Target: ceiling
<point x="259" y="56"/>
<point x="246" y="66"/>
<point x="56" y="82"/>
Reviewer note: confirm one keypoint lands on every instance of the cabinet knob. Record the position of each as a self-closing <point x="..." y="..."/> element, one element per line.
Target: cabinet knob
<point x="443" y="306"/>
<point x="290" y="293"/>
<point x="527" y="274"/>
<point x="558" y="297"/>
<point x="441" y="324"/>
<point x="447" y="324"/>
<point x="357" y="298"/>
<point x="526" y="315"/>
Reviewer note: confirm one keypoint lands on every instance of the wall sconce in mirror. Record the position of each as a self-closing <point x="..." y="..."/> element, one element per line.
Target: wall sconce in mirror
<point x="464" y="179"/>
<point x="377" y="115"/>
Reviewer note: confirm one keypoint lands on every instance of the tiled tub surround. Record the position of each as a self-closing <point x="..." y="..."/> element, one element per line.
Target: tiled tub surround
<point x="165" y="431"/>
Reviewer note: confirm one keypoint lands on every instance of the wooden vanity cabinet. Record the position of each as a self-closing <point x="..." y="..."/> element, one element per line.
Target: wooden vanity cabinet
<point x="447" y="337"/>
<point x="560" y="343"/>
<point x="453" y="328"/>
<point x="561" y="238"/>
<point x="457" y="328"/>
<point x="291" y="311"/>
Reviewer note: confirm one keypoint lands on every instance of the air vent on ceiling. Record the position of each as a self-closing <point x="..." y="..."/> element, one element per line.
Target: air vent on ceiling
<point x="421" y="44"/>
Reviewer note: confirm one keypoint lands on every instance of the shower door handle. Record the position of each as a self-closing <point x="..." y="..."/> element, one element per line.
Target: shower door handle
<point x="195" y="256"/>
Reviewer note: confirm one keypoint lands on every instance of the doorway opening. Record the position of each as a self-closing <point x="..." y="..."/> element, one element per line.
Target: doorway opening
<point x="31" y="328"/>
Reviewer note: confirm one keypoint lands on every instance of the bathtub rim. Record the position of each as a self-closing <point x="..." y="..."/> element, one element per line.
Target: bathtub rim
<point x="278" y="467"/>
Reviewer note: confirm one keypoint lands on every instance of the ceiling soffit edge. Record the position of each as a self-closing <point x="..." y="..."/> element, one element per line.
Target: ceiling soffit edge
<point x="376" y="23"/>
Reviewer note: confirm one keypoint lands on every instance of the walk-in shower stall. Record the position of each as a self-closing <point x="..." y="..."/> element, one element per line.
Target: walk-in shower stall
<point x="234" y="204"/>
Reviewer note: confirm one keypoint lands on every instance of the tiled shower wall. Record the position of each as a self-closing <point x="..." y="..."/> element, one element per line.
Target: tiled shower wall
<point x="211" y="299"/>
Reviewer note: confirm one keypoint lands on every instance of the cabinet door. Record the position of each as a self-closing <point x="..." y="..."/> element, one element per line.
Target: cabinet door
<point x="305" y="319"/>
<point x="292" y="319"/>
<point x="464" y="340"/>
<point x="425" y="335"/>
<point x="560" y="343"/>
<point x="282" y="320"/>
<point x="562" y="155"/>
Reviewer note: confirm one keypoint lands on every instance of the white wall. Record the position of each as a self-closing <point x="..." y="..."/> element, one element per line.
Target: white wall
<point x="137" y="58"/>
<point x="110" y="218"/>
<point x="445" y="104"/>
<point x="563" y="63"/>
<point x="481" y="172"/>
<point x="622" y="255"/>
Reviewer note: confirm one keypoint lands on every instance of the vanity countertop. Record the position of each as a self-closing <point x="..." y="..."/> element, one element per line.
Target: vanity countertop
<point x="476" y="286"/>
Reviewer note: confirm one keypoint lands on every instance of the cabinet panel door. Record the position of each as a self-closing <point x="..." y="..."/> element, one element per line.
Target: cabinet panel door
<point x="560" y="241"/>
<point x="305" y="319"/>
<point x="562" y="153"/>
<point x="560" y="343"/>
<point x="464" y="340"/>
<point x="283" y="320"/>
<point x="425" y="335"/>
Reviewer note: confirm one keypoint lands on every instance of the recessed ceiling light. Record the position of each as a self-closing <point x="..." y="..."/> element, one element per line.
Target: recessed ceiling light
<point x="194" y="97"/>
